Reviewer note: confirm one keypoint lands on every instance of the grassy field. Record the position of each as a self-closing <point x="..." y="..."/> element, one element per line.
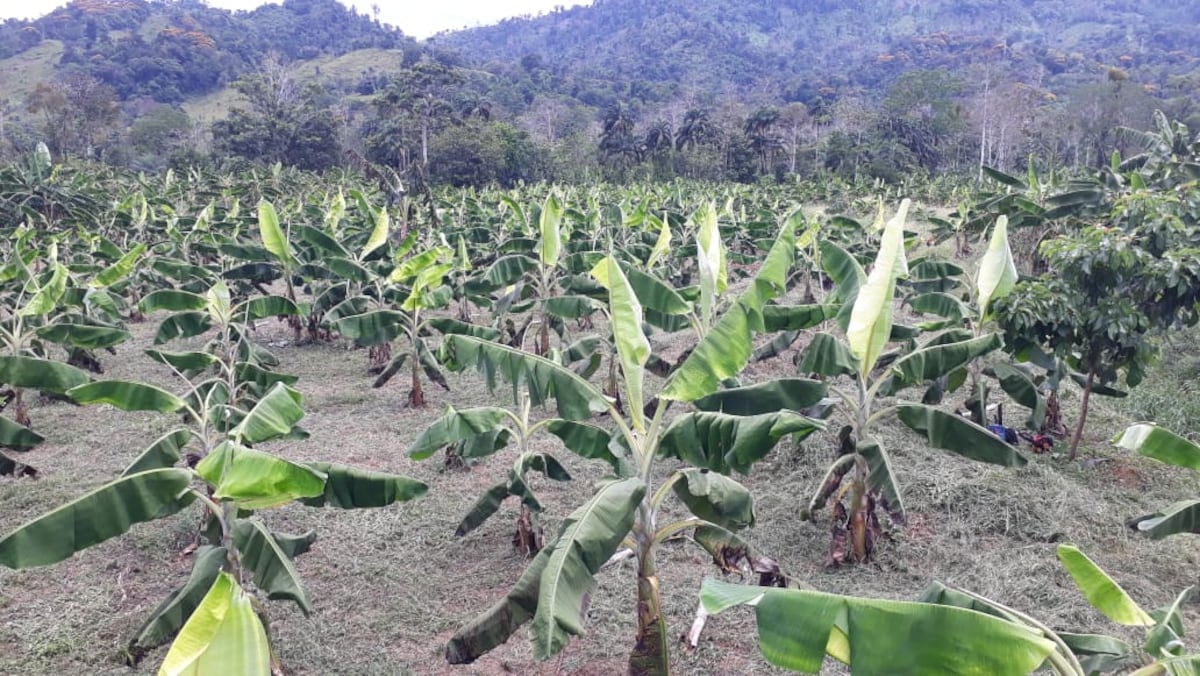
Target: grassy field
<point x="390" y="586"/>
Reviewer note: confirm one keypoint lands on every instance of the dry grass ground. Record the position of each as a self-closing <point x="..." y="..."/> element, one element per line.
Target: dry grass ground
<point x="390" y="586"/>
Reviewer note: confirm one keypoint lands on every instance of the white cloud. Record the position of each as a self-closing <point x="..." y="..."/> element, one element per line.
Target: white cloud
<point x="420" y="19"/>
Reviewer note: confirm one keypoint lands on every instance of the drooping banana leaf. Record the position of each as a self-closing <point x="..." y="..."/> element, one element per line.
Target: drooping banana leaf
<point x="576" y="398"/>
<point x="797" y="629"/>
<point x="456" y="425"/>
<point x="222" y="636"/>
<point x="353" y="488"/>
<point x="723" y="443"/>
<point x="715" y="498"/>
<point x="104" y="513"/>
<point x="954" y="433"/>
<point x="272" y="568"/>
<point x="170" y="615"/>
<point x="589" y="536"/>
<point x="794" y="394"/>
<point x="494" y="626"/>
<point x="127" y="396"/>
<point x="40" y="374"/>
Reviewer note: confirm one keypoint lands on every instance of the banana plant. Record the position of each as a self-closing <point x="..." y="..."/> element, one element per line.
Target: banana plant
<point x="861" y="479"/>
<point x="1165" y="446"/>
<point x="214" y="616"/>
<point x="729" y="432"/>
<point x="533" y="275"/>
<point x="420" y="278"/>
<point x="953" y="631"/>
<point x="938" y="289"/>
<point x="1162" y="651"/>
<point x="52" y="307"/>
<point x="479" y="432"/>
<point x="798" y="628"/>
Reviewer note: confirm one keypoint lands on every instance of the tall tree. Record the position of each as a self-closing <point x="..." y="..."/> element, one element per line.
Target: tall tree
<point x="79" y="113"/>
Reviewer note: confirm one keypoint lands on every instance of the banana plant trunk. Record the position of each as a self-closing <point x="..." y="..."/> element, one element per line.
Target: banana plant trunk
<point x="21" y="410"/>
<point x="651" y="654"/>
<point x="416" y="395"/>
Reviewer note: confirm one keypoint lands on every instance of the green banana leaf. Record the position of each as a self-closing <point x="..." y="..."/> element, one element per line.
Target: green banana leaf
<point x="272" y="568"/>
<point x="495" y="625"/>
<point x="257" y="480"/>
<point x="589" y="536"/>
<point x="957" y="434"/>
<point x="104" y="513"/>
<point x="17" y="437"/>
<point x="633" y="348"/>
<point x="827" y="356"/>
<point x="1160" y="444"/>
<point x="275" y="414"/>
<point x="456" y="425"/>
<point x="1101" y="590"/>
<point x="40" y="374"/>
<point x="182" y="325"/>
<point x="796" y="629"/>
<point x="722" y="443"/>
<point x="166" y="451"/>
<point x="715" y="498"/>
<point x="795" y="394"/>
<point x="576" y="398"/>
<point x="127" y="396"/>
<point x="353" y="488"/>
<point x="727" y="347"/>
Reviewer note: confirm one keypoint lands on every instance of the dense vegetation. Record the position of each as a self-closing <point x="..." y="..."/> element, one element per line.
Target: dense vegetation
<point x="736" y="91"/>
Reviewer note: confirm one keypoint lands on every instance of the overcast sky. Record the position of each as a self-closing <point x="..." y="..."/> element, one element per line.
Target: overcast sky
<point x="420" y="19"/>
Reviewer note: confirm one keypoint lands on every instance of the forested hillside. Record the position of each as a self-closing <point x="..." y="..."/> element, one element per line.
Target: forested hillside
<point x="809" y="49"/>
<point x="721" y="90"/>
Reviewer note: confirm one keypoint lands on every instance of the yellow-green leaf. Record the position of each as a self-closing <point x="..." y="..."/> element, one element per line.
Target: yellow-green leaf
<point x="871" y="318"/>
<point x="1101" y="590"/>
<point x="223" y="636"/>
<point x="273" y="238"/>
<point x="633" y="348"/>
<point x="383" y="222"/>
<point x="997" y="271"/>
<point x="551" y="247"/>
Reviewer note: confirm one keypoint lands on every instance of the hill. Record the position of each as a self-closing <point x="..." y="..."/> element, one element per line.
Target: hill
<point x="171" y="51"/>
<point x="803" y="50"/>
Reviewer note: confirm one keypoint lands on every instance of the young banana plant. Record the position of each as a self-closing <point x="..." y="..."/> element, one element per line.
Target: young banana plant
<point x="417" y="285"/>
<point x="53" y="307"/>
<point x="215" y="616"/>
<point x="860" y="358"/>
<point x="730" y="431"/>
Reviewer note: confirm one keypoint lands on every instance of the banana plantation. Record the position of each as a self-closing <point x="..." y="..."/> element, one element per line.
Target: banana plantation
<point x="282" y="423"/>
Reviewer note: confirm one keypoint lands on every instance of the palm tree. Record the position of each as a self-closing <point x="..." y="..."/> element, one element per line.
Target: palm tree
<point x="759" y="128"/>
<point x="697" y="128"/>
<point x="616" y="133"/>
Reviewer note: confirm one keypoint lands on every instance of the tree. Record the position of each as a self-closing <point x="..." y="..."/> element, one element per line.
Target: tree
<point x="921" y="113"/>
<point x="1111" y="285"/>
<point x="79" y="112"/>
<point x="284" y="123"/>
<point x="760" y="130"/>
